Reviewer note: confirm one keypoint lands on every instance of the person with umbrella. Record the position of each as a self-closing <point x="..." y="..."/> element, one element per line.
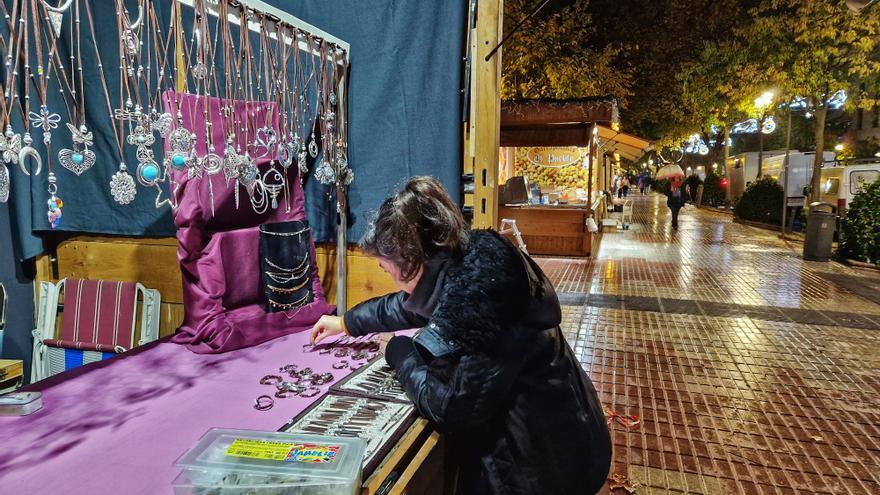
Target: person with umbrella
<point x="675" y="198"/>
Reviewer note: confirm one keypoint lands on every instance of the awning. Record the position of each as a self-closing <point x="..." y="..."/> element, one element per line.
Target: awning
<point x="628" y="146"/>
<point x="546" y="122"/>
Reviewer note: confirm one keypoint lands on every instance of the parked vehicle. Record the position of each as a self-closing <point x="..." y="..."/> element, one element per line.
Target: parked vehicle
<point x="800" y="170"/>
<point x="742" y="169"/>
<point x="841" y="184"/>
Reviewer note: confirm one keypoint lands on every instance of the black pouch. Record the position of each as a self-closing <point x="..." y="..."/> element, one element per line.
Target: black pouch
<point x="286" y="265"/>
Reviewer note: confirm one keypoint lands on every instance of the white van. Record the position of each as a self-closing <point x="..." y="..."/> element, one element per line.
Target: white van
<point x="841" y="184"/>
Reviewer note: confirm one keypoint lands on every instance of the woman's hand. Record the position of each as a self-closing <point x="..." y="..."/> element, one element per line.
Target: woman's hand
<point x="383" y="341"/>
<point x="327" y="326"/>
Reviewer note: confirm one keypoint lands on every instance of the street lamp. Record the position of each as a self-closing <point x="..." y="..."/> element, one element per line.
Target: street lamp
<point x="762" y="104"/>
<point x="838" y="147"/>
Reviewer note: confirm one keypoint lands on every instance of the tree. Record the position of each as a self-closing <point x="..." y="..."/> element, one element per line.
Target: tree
<point x="823" y="48"/>
<point x="552" y="57"/>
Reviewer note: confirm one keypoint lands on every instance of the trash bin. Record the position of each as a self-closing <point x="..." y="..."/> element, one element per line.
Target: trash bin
<point x="821" y="223"/>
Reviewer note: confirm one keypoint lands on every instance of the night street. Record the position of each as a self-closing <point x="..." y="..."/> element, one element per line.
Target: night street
<point x="749" y="371"/>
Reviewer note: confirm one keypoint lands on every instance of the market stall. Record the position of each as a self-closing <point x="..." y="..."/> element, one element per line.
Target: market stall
<point x="552" y="144"/>
<point x="239" y="129"/>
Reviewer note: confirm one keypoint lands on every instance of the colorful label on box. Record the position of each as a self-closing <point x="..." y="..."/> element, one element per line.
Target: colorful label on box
<point x="283" y="451"/>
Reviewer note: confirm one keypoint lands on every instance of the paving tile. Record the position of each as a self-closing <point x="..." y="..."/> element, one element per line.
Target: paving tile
<point x="750" y="371"/>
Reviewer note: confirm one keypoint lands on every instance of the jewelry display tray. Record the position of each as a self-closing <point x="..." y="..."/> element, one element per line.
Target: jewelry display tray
<point x="380" y="433"/>
<point x="377" y="370"/>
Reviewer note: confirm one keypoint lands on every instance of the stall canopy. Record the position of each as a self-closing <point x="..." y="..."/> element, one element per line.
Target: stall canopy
<point x="626" y="145"/>
<point x="545" y="122"/>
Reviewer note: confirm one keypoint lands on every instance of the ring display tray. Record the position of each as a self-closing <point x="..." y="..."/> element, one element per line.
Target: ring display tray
<point x="378" y="422"/>
<point x="374" y="380"/>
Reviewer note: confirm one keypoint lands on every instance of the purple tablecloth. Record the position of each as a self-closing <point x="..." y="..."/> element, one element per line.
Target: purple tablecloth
<point x="117" y="426"/>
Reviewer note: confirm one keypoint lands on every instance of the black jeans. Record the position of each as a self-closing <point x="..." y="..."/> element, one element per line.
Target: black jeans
<point x="675" y="210"/>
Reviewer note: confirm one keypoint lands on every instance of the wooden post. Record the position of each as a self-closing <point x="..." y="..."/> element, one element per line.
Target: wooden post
<point x="592" y="152"/>
<point x="483" y="134"/>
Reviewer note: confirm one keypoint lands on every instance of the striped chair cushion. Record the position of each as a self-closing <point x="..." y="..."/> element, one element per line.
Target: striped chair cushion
<point x="98" y="315"/>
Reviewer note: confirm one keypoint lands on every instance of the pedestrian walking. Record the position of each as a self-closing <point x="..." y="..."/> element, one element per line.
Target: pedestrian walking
<point x="675" y="199"/>
<point x="625" y="186"/>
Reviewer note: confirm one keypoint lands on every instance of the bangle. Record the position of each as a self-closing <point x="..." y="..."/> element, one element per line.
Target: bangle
<point x="264" y="403"/>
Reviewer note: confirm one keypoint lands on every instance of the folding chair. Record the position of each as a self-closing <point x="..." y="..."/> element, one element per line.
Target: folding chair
<point x="98" y="322"/>
<point x="626" y="216"/>
<point x="508" y="226"/>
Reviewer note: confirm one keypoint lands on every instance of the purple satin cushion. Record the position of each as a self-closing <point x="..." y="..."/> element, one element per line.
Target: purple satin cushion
<point x="219" y="243"/>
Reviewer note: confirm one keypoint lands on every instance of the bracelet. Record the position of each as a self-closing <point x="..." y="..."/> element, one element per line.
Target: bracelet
<point x="270" y="380"/>
<point x="310" y="392"/>
<point x="264" y="403"/>
<point x="340" y="365"/>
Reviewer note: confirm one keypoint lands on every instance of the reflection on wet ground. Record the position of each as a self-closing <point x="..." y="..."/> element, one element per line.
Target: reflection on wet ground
<point x="750" y="370"/>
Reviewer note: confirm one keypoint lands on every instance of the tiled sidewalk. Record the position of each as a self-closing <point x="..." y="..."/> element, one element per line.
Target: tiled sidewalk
<point x="749" y="371"/>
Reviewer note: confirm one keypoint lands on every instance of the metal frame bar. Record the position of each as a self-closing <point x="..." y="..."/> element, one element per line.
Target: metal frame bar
<point x="257" y="5"/>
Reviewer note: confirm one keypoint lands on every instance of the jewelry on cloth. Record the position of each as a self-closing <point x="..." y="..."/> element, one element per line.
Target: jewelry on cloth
<point x="308" y="347"/>
<point x="76" y="160"/>
<point x="289" y="368"/>
<point x="340" y="365"/>
<point x="341" y="352"/>
<point x="54" y="203"/>
<point x="284" y="234"/>
<point x="310" y="392"/>
<point x="122" y="186"/>
<point x="305" y="372"/>
<point x="264" y="403"/>
<point x="283" y="278"/>
<point x="270" y="380"/>
<point x="287" y="291"/>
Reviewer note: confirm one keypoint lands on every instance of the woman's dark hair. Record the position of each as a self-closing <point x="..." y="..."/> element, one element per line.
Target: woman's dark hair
<point x="414" y="224"/>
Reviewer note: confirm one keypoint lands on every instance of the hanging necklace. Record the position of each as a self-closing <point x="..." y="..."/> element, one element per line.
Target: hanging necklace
<point x="27" y="150"/>
<point x="79" y="158"/>
<point x="272" y="179"/>
<point x="324" y="117"/>
<point x="122" y="185"/>
<point x="10" y="142"/>
<point x="45" y="120"/>
<point x="122" y="190"/>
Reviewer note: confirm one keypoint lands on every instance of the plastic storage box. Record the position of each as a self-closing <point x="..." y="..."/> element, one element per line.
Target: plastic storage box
<point x="238" y="462"/>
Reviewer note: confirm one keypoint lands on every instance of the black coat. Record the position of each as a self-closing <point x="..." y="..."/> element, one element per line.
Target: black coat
<point x="491" y="367"/>
<point x="672" y="201"/>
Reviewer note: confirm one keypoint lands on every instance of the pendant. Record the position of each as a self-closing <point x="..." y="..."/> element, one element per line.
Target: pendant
<point x="10" y="146"/>
<point x="211" y="163"/>
<point x="273" y="181"/>
<point x="313" y="147"/>
<point x="28" y="151"/>
<point x="160" y="122"/>
<point x="122" y="186"/>
<point x="332" y="98"/>
<point x="200" y="71"/>
<point x="265" y="141"/>
<point x="4" y="183"/>
<point x="46" y="121"/>
<point x="247" y="172"/>
<point x="148" y="173"/>
<point x="345" y="173"/>
<point x="302" y="161"/>
<point x="182" y="144"/>
<point x="325" y="174"/>
<point x="54" y="203"/>
<point x="75" y="160"/>
<point x="231" y="160"/>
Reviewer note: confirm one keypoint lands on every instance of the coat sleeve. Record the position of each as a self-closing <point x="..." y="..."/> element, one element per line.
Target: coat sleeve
<point x="454" y="392"/>
<point x="381" y="314"/>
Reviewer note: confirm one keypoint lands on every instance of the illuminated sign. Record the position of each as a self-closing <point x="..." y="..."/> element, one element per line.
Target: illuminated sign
<point x="554" y="156"/>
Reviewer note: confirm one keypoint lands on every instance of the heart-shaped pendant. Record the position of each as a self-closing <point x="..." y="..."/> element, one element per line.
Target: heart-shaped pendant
<point x="77" y="161"/>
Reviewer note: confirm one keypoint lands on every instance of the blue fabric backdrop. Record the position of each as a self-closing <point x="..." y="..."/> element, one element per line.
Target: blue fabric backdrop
<point x="404" y="114"/>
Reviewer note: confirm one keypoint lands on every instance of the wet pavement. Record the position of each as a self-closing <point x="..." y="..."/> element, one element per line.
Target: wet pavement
<point x="749" y="370"/>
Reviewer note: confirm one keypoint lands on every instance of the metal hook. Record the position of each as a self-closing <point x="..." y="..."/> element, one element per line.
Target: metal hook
<point x="59" y="9"/>
<point x="32" y="152"/>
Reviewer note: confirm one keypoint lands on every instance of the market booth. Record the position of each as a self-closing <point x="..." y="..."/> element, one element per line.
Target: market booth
<point x="567" y="152"/>
<point x="184" y="217"/>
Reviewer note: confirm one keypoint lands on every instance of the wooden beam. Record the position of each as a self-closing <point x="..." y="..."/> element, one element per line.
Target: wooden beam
<point x="485" y="118"/>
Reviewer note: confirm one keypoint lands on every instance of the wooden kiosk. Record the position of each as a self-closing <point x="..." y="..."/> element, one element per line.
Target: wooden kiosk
<point x="591" y="125"/>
